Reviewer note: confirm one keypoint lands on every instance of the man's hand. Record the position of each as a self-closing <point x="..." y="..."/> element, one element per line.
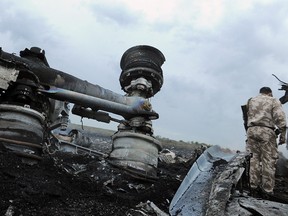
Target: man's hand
<point x="282" y="140"/>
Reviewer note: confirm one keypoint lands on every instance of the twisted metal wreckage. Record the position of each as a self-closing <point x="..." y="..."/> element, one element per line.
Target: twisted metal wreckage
<point x="34" y="103"/>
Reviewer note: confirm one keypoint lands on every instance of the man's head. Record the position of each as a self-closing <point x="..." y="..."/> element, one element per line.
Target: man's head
<point x="266" y="91"/>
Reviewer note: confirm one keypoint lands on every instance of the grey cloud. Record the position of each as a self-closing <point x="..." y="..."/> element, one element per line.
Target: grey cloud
<point x="223" y="67"/>
<point x="24" y="26"/>
<point x="115" y="14"/>
<point x="234" y="56"/>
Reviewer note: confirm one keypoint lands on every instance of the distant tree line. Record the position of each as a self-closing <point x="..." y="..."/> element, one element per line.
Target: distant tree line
<point x="169" y="142"/>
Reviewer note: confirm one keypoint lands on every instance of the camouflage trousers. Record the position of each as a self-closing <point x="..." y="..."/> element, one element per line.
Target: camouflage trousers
<point x="261" y="142"/>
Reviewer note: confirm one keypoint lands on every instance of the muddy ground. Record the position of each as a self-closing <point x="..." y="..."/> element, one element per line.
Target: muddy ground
<point x="69" y="184"/>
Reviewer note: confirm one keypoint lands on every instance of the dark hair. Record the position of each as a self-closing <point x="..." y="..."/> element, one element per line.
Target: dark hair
<point x="265" y="90"/>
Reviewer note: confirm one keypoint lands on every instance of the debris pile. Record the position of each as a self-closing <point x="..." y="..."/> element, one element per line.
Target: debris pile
<point x="65" y="183"/>
<point x="74" y="184"/>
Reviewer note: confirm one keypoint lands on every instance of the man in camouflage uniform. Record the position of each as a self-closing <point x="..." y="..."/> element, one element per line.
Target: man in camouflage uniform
<point x="264" y="113"/>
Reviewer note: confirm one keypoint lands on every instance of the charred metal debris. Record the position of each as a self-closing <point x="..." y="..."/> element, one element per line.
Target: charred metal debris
<point x="34" y="115"/>
<point x="34" y="102"/>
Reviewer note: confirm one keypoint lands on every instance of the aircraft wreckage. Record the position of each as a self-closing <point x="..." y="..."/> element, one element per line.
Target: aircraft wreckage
<point x="34" y="110"/>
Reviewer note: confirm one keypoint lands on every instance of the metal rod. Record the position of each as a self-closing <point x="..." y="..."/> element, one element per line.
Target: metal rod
<point x="133" y="104"/>
<point x="53" y="77"/>
<point x="17" y="142"/>
<point x="81" y="148"/>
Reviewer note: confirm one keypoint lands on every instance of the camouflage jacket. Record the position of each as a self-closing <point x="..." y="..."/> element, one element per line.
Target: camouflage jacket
<point x="266" y="111"/>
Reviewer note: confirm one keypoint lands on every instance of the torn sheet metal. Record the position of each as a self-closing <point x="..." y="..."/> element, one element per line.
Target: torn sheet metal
<point x="167" y="156"/>
<point x="66" y="146"/>
<point x="6" y="76"/>
<point x="248" y="206"/>
<point x="224" y="183"/>
<point x="193" y="194"/>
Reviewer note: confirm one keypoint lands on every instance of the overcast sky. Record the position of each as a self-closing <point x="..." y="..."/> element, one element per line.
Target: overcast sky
<point x="218" y="53"/>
